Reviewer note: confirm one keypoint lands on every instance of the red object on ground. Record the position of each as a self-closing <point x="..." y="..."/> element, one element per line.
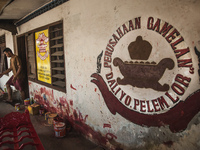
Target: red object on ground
<point x="17" y="132"/>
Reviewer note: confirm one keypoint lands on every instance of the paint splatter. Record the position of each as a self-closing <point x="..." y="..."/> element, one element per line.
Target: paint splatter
<point x="65" y="110"/>
<point x="72" y="87"/>
<point x="105" y="125"/>
<point x="71" y="102"/>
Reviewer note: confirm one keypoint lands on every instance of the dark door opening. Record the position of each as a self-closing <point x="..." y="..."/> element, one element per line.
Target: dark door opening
<point x="21" y="47"/>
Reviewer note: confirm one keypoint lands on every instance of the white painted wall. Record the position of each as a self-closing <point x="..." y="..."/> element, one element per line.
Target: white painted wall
<point x="88" y="26"/>
<point x="9" y="43"/>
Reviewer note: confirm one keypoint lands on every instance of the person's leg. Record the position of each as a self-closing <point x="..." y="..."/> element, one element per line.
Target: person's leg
<point x="22" y="95"/>
<point x="19" y="86"/>
<point x="9" y="90"/>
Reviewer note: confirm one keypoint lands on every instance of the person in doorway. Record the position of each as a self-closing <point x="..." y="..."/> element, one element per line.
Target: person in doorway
<point x="17" y="77"/>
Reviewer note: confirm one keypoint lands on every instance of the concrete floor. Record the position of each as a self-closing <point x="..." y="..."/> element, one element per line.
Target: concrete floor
<point x="72" y="140"/>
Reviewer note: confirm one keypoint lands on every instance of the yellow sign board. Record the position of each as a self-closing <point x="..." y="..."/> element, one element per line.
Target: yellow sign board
<point x="42" y="56"/>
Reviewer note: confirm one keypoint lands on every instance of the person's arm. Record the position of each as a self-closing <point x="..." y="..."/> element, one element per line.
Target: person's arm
<point x="5" y="72"/>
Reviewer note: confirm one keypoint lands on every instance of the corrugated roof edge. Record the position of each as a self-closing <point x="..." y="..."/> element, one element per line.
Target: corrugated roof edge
<point x="40" y="11"/>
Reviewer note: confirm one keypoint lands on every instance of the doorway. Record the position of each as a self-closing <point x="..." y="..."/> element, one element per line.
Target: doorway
<point x="21" y="47"/>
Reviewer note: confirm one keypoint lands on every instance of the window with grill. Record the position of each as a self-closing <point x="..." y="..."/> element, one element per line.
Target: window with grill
<point x="56" y="54"/>
<point x="3" y="59"/>
<point x="31" y="68"/>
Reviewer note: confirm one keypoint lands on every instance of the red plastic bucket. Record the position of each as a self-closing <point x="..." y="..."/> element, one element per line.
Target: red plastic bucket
<point x="60" y="129"/>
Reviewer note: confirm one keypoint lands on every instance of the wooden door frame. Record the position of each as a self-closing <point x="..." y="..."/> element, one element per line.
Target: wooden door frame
<point x="21" y="50"/>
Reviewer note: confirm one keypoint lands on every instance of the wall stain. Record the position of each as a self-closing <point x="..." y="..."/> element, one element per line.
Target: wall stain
<point x="75" y="118"/>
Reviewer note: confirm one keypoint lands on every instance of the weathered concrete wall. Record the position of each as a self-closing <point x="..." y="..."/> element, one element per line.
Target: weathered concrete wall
<point x="142" y="114"/>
